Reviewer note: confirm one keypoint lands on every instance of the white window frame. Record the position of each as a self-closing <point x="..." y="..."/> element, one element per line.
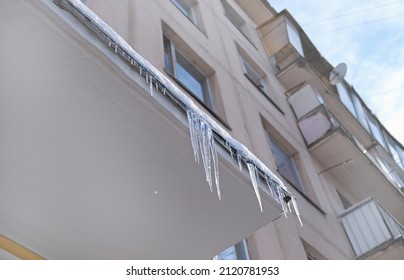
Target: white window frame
<point x="173" y="58"/>
<point x="295" y="180"/>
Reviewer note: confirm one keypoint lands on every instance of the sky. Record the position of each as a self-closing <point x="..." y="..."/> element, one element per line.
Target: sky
<point x="369" y="37"/>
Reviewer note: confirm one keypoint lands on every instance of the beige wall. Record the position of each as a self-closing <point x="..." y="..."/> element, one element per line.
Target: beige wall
<point x="243" y="108"/>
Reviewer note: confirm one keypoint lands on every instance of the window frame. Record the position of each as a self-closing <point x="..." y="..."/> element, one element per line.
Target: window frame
<point x="294" y="37"/>
<point x="346" y="99"/>
<point x="190" y="10"/>
<point x="395" y="150"/>
<point x="259" y="80"/>
<point x="236" y="19"/>
<point x="173" y="57"/>
<point x="297" y="181"/>
<point x="245" y="62"/>
<point x="376" y="131"/>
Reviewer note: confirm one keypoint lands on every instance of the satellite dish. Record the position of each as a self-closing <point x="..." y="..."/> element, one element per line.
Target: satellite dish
<point x="338" y="73"/>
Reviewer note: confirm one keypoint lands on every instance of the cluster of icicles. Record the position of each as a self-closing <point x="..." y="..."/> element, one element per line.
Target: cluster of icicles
<point x="202" y="128"/>
<point x="204" y="146"/>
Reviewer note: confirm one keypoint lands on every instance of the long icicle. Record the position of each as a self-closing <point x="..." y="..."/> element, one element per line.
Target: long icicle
<point x="206" y="155"/>
<point x="296" y="210"/>
<point x="254" y="181"/>
<point x="270" y="188"/>
<point x="193" y="134"/>
<point x="215" y="163"/>
<point x="151" y="84"/>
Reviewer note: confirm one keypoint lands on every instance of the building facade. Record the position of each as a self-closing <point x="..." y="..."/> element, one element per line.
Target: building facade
<point x="250" y="69"/>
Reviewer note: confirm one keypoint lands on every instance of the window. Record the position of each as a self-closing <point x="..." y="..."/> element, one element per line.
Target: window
<point x="285" y="164"/>
<point x="361" y="115"/>
<point x="345" y="97"/>
<point x="238" y="251"/>
<point x="234" y="17"/>
<point x="375" y="129"/>
<point x="395" y="151"/>
<point x="189" y="9"/>
<point x="294" y="37"/>
<point x="390" y="172"/>
<point x="252" y="73"/>
<point x="187" y="73"/>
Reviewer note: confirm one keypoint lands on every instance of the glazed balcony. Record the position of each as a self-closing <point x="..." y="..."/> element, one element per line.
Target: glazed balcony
<point x="341" y="155"/>
<point x="281" y="39"/>
<point x="373" y="232"/>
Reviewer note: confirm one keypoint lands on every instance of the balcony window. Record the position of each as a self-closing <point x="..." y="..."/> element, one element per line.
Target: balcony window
<point x="345" y="97"/>
<point x="360" y="112"/>
<point x="375" y="129"/>
<point x="285" y="164"/>
<point x="187" y="73"/>
<point x="189" y="9"/>
<point x="294" y="37"/>
<point x="395" y="151"/>
<point x="238" y="251"/>
<point x="390" y="173"/>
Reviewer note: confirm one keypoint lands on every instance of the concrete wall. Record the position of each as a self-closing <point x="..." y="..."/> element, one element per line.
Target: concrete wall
<point x="246" y="111"/>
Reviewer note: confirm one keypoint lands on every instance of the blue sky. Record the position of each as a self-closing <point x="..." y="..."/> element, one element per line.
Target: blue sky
<point x="369" y="37"/>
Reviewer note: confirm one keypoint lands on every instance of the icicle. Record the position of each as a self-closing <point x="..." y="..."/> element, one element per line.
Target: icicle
<point x="239" y="162"/>
<point x="296" y="210"/>
<point x="228" y="147"/>
<point x="281" y="200"/>
<point x="202" y="124"/>
<point x="164" y="91"/>
<point x="131" y="61"/>
<point x="254" y="181"/>
<point x="205" y="149"/>
<point x="147" y="78"/>
<point x="270" y="188"/>
<point x="151" y="85"/>
<point x="198" y="135"/>
<point x="215" y="163"/>
<point x="193" y="134"/>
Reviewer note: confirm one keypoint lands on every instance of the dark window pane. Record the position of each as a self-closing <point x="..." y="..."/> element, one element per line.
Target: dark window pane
<point x="190" y="77"/>
<point x="285" y="165"/>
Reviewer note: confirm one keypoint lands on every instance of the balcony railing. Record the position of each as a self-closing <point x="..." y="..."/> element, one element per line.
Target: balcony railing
<point x="370" y="227"/>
